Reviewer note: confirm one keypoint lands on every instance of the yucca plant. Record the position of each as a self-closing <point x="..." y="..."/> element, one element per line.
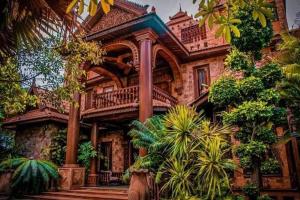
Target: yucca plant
<point x="181" y="122"/>
<point x="188" y="154"/>
<point x="212" y="165"/>
<point x="30" y="175"/>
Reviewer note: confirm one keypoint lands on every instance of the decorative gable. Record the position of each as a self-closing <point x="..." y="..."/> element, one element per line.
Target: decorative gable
<point x="115" y="17"/>
<point x="122" y="11"/>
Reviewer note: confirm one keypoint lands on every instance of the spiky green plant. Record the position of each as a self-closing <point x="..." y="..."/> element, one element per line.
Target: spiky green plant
<point x="212" y="166"/>
<point x="177" y="151"/>
<point x="30" y="175"/>
<point x="181" y="122"/>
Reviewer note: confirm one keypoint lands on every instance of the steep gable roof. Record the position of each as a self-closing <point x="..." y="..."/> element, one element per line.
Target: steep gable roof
<point x="121" y="12"/>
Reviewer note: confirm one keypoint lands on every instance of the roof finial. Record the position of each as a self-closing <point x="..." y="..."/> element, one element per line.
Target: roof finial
<point x="180" y="7"/>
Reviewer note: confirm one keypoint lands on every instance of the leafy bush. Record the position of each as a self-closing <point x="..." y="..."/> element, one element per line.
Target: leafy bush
<point x="249" y="111"/>
<point x="249" y="87"/>
<point x="271" y="96"/>
<point x="86" y="152"/>
<point x="253" y="37"/>
<point x="251" y="190"/>
<point x="224" y="92"/>
<point x="30" y="176"/>
<point x="270" y="166"/>
<point x="269" y="74"/>
<point x="253" y="149"/>
<point x="58" y="147"/>
<point x="239" y="61"/>
<point x="264" y="197"/>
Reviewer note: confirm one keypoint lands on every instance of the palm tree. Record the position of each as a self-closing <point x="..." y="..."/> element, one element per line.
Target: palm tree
<point x="30" y="175"/>
<point x="29" y="22"/>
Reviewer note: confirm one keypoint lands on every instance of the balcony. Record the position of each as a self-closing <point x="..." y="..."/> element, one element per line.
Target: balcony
<point x="125" y="100"/>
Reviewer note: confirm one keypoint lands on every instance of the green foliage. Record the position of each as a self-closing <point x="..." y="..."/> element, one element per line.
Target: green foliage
<point x="253" y="36"/>
<point x="224" y="92"/>
<point x="58" y="147"/>
<point x="249" y="87"/>
<point x="86" y="152"/>
<point x="269" y="74"/>
<point x="239" y="61"/>
<point x="264" y="197"/>
<point x="251" y="190"/>
<point x="270" y="166"/>
<point x="249" y="111"/>
<point x="30" y="176"/>
<point x="271" y="96"/>
<point x="228" y="22"/>
<point x="289" y="58"/>
<point x="14" y="98"/>
<point x="188" y="154"/>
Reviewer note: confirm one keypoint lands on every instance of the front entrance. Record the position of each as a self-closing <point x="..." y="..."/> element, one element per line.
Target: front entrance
<point x="115" y="155"/>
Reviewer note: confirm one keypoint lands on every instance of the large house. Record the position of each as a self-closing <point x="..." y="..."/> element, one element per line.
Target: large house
<point x="149" y="67"/>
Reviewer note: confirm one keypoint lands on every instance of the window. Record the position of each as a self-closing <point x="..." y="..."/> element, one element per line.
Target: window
<point x="193" y="33"/>
<point x="201" y="78"/>
<point x="108" y="89"/>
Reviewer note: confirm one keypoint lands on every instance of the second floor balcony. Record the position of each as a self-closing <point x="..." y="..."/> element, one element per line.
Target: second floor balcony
<point x="124" y="100"/>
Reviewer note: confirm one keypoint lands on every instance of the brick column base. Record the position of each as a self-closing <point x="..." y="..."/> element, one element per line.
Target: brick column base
<point x="139" y="188"/>
<point x="92" y="180"/>
<point x="72" y="177"/>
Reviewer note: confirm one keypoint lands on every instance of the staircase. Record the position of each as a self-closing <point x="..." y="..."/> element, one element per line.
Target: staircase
<point x="97" y="193"/>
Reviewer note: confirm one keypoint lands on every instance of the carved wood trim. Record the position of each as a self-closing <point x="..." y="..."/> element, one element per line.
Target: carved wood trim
<point x="171" y="59"/>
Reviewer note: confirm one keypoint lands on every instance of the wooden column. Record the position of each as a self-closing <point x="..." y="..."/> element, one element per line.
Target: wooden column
<point x="139" y="188"/>
<point x="93" y="176"/>
<point x="73" y="176"/>
<point x="73" y="132"/>
<point x="145" y="38"/>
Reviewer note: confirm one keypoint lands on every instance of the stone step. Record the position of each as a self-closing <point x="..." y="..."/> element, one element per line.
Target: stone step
<point x="87" y="195"/>
<point x="105" y="193"/>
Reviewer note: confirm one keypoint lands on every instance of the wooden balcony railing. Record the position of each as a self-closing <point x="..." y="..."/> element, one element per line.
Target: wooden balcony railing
<point x="128" y="95"/>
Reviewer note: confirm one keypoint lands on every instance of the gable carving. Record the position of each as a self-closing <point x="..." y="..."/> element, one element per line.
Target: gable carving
<point x="115" y="17"/>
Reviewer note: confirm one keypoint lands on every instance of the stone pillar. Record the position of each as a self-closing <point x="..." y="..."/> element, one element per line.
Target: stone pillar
<point x="139" y="188"/>
<point x="72" y="175"/>
<point x="93" y="176"/>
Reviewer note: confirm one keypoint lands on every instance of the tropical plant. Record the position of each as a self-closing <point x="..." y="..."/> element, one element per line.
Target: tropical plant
<point x="289" y="57"/>
<point x="58" y="147"/>
<point x="178" y="151"/>
<point x="30" y="175"/>
<point x="228" y="22"/>
<point x="86" y="152"/>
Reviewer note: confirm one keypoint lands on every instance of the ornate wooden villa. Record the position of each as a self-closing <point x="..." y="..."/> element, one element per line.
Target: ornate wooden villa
<point x="149" y="67"/>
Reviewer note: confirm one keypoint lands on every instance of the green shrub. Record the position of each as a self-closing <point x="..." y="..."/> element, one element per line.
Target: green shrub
<point x="58" y="147"/>
<point x="86" y="152"/>
<point x="247" y="112"/>
<point x="253" y="37"/>
<point x="264" y="197"/>
<point x="30" y="176"/>
<point x="224" y="91"/>
<point x="239" y="61"/>
<point x="269" y="74"/>
<point x="249" y="87"/>
<point x="271" y="96"/>
<point x="270" y="166"/>
<point x="253" y="149"/>
<point x="251" y="190"/>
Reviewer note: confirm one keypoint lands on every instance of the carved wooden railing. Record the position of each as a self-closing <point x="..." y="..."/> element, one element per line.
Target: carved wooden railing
<point x="128" y="95"/>
<point x="108" y="177"/>
<point x="116" y="98"/>
<point x="163" y="96"/>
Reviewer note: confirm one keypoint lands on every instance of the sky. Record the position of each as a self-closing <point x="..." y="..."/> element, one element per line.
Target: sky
<point x="166" y="8"/>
